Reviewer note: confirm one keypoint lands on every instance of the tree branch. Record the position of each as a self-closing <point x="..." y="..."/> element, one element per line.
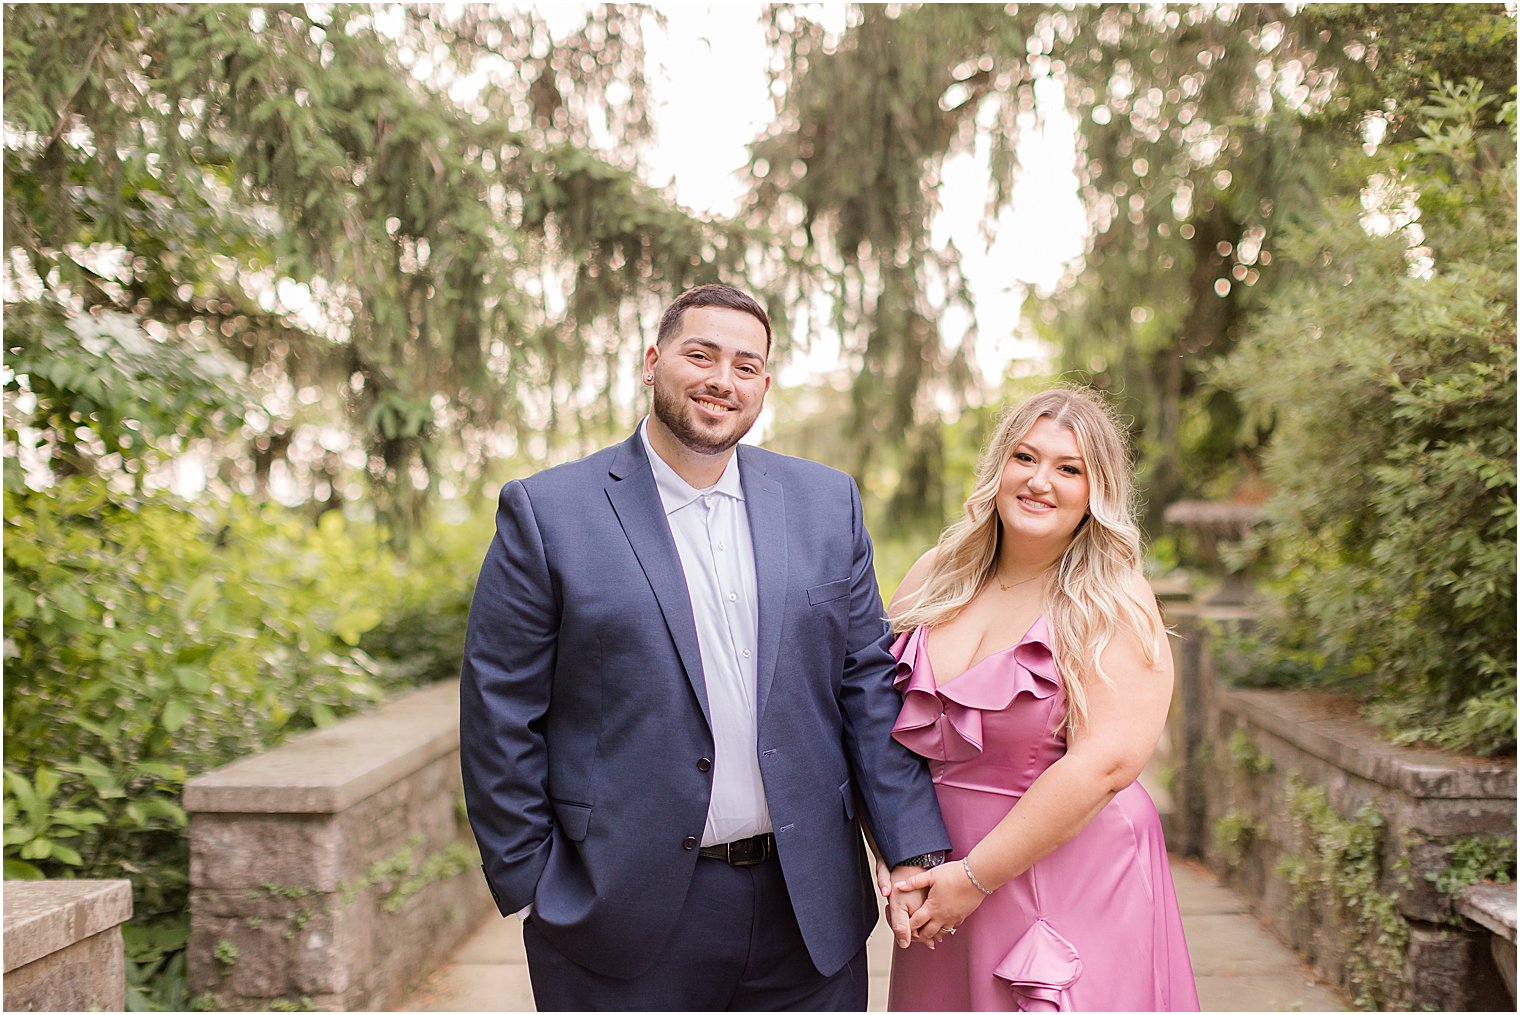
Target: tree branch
<point x="84" y="75"/>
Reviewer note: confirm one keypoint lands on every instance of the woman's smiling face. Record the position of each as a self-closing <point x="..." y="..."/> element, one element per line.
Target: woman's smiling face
<point x="1045" y="488"/>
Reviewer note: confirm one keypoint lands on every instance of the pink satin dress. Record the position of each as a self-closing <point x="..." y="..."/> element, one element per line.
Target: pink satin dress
<point x="1092" y="927"/>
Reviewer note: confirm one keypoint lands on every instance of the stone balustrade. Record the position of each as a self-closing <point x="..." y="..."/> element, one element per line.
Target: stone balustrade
<point x="63" y="948"/>
<point x="1492" y="907"/>
<point x="1342" y="841"/>
<point x="336" y="870"/>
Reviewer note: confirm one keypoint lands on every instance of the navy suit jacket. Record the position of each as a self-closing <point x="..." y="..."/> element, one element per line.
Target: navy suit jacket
<point x="584" y="723"/>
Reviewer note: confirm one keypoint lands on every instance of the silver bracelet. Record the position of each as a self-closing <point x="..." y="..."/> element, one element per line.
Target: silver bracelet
<point x="966" y="866"/>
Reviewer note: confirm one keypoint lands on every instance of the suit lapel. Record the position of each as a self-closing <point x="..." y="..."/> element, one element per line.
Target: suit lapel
<point x="766" y="505"/>
<point x="637" y="503"/>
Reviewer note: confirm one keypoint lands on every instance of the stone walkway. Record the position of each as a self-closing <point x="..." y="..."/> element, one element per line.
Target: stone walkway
<point x="1239" y="965"/>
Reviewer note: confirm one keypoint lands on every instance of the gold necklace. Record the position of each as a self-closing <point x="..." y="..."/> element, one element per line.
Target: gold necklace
<point x="1021" y="581"/>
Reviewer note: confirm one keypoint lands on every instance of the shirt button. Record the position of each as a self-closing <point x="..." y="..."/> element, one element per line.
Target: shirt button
<point x="732" y="597"/>
<point x="690" y="842"/>
<point x="746" y="653"/>
<point x="705" y="764"/>
<point x="721" y="546"/>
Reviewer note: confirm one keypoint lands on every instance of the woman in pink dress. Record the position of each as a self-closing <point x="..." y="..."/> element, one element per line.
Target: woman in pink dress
<point x="1036" y="678"/>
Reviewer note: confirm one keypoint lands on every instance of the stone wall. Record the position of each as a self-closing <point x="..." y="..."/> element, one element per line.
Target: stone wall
<point x="1492" y="907"/>
<point x="338" y="869"/>
<point x="1335" y="835"/>
<point x="63" y="948"/>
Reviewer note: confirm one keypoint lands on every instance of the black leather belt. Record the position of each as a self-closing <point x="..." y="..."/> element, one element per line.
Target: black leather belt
<point x="743" y="852"/>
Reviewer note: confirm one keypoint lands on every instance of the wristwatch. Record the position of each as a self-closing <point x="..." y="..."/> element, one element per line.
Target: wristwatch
<point x="926" y="860"/>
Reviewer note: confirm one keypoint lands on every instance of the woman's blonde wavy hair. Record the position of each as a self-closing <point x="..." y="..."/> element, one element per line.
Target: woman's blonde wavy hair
<point x="1090" y="592"/>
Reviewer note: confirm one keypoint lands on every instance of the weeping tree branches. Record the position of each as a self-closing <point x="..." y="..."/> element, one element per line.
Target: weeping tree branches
<point x="848" y="177"/>
<point x="1203" y="130"/>
<point x="393" y="216"/>
<point x="1172" y="103"/>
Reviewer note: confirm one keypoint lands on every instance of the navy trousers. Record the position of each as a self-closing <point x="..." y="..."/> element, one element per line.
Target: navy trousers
<point x="736" y="947"/>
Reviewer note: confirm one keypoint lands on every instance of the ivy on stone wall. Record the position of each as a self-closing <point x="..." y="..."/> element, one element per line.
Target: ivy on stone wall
<point x="1475" y="859"/>
<point x="1336" y="879"/>
<point x="1234" y="834"/>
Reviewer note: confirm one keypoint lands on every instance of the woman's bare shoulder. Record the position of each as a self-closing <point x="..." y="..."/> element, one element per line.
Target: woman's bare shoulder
<point x="1139" y="650"/>
<point x="1140" y="588"/>
<point x="913" y="580"/>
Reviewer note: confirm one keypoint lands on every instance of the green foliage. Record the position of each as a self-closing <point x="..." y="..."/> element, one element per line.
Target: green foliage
<point x="440" y="865"/>
<point x="1404" y="45"/>
<point x="1234" y="833"/>
<point x="1245" y="757"/>
<point x="1336" y="873"/>
<point x="379" y="211"/>
<point x="841" y="183"/>
<point x="1203" y="131"/>
<point x="155" y="968"/>
<point x="1475" y="859"/>
<point x="100" y="390"/>
<point x="1390" y="391"/>
<point x="1257" y="659"/>
<point x="148" y="640"/>
<point x="420" y="632"/>
<point x="1166" y="105"/>
<point x="401" y="873"/>
<point x="1199" y="139"/>
<point x="226" y="953"/>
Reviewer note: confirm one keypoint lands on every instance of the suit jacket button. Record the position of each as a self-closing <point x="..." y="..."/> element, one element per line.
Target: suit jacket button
<point x="704" y="765"/>
<point x="690" y="842"/>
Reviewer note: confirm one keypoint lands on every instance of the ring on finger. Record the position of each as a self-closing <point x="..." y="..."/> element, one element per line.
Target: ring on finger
<point x="949" y="930"/>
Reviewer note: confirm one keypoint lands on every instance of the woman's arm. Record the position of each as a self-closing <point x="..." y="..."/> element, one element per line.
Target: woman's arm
<point x="1124" y="722"/>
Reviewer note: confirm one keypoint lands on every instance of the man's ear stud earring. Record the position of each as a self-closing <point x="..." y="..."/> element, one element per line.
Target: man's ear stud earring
<point x="649" y="378"/>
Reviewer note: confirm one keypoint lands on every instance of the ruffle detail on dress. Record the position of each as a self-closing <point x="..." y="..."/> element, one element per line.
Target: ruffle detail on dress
<point x="945" y="722"/>
<point x="928" y="725"/>
<point x="905" y="651"/>
<point x="1040" y="968"/>
<point x="1035" y="653"/>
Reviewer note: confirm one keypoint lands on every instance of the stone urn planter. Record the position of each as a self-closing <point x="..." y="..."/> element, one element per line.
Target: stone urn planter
<point x="1209" y="529"/>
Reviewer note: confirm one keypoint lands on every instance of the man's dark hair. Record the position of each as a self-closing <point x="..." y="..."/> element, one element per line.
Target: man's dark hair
<point x="713" y="294"/>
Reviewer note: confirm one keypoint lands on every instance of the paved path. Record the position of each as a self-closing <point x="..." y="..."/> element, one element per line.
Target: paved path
<point x="1239" y="965"/>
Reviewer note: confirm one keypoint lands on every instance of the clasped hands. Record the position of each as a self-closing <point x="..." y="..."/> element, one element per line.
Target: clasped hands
<point x="926" y="905"/>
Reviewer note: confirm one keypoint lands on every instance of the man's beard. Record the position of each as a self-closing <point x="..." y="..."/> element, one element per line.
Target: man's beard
<point x="668" y="410"/>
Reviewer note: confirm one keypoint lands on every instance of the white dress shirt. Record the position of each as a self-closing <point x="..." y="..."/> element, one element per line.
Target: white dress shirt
<point x="711" y="530"/>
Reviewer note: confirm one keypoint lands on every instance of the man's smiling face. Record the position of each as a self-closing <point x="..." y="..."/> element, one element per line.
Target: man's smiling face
<point x="709" y="378"/>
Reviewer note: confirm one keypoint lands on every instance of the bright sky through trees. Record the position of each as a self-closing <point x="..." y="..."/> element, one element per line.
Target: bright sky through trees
<point x="707" y="69"/>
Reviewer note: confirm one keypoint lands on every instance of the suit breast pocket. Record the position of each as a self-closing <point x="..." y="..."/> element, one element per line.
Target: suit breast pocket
<point x="828" y="592"/>
<point x="573" y="818"/>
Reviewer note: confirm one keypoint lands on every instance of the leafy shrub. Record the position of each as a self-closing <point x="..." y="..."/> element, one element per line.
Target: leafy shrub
<point x="102" y="392"/>
<point x="1391" y="394"/>
<point x="421" y="632"/>
<point x="149" y="640"/>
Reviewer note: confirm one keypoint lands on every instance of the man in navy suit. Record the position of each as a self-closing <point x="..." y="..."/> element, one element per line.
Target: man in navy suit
<point x="677" y="701"/>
